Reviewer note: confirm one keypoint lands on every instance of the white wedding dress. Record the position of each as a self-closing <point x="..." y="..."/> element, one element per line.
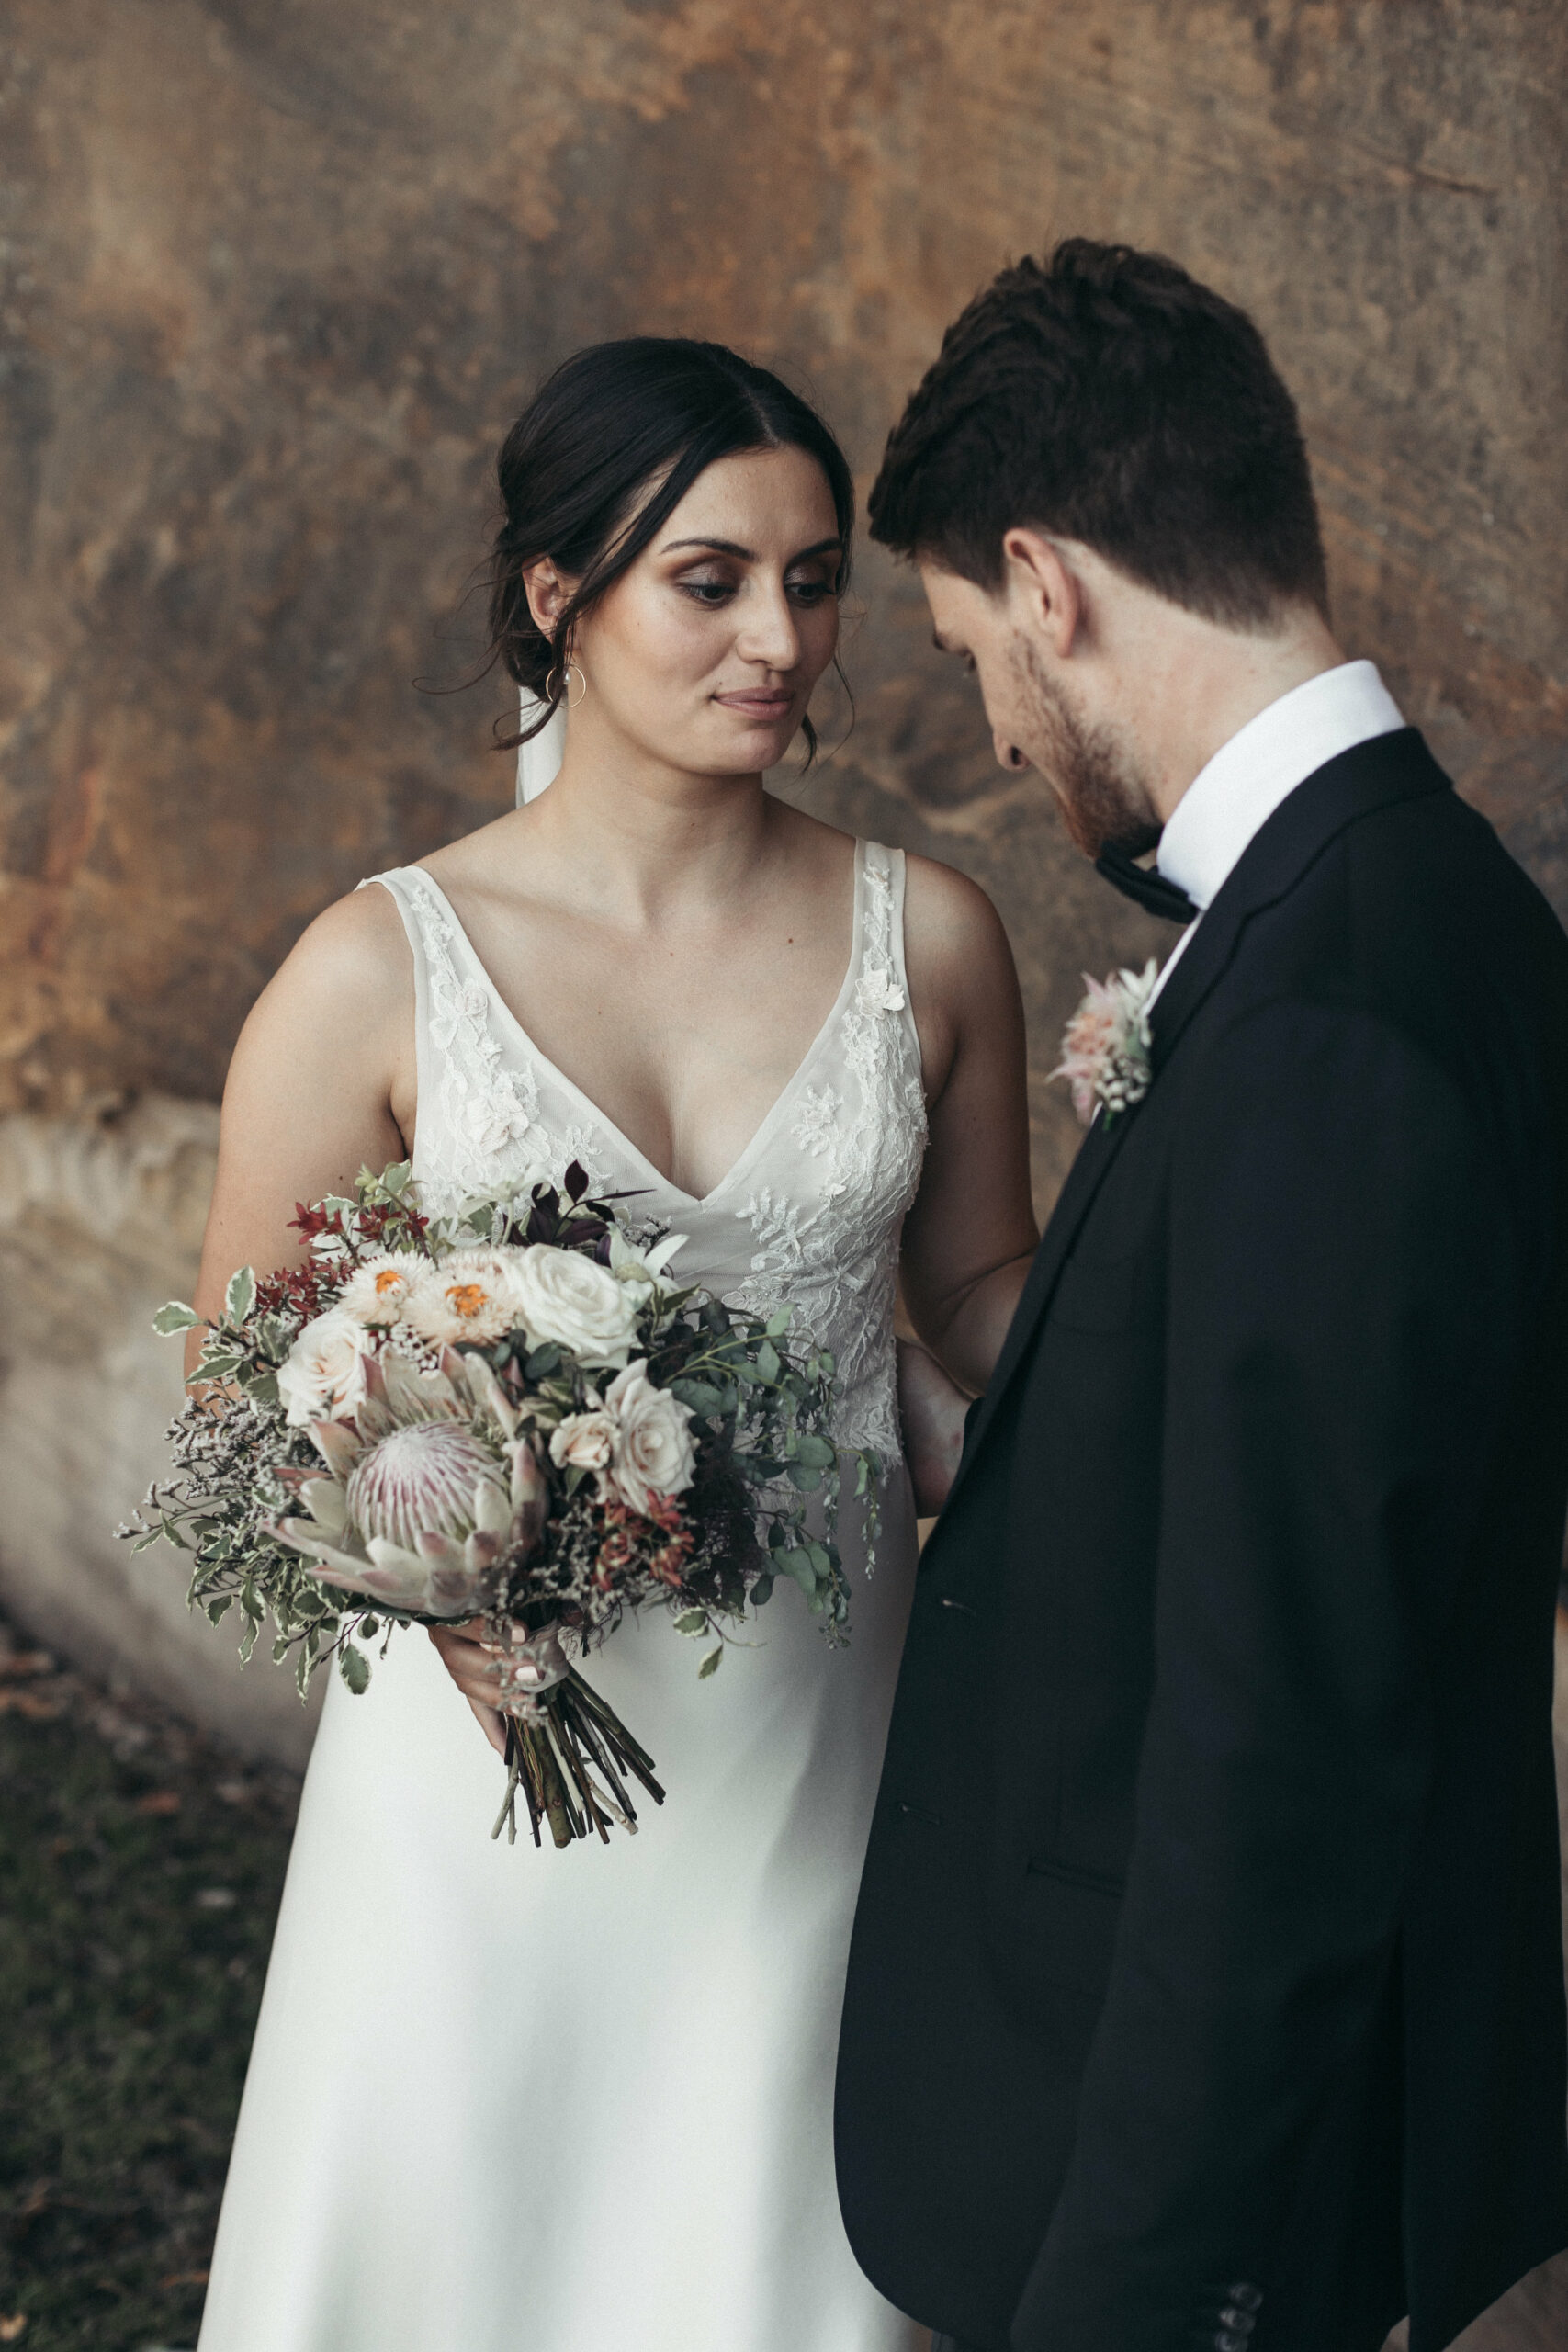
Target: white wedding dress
<point x="509" y="2100"/>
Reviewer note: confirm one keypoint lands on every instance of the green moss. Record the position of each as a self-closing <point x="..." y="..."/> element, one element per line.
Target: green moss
<point x="128" y="2004"/>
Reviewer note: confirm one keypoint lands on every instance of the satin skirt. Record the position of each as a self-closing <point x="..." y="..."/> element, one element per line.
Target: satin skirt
<point x="510" y="2100"/>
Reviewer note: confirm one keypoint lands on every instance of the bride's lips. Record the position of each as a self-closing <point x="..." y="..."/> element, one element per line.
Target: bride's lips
<point x="759" y="702"/>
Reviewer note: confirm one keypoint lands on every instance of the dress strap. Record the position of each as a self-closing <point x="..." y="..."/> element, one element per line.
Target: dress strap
<point x="400" y="884"/>
<point x="473" y="1111"/>
<point x="883" y="970"/>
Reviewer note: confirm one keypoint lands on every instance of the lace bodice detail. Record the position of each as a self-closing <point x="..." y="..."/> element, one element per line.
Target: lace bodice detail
<point x="812" y="1210"/>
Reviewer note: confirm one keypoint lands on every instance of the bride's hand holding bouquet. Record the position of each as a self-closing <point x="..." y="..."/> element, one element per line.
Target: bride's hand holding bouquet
<point x="508" y="1424"/>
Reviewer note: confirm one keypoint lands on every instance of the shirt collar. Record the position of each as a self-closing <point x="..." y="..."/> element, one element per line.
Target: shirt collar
<point x="1238" y="791"/>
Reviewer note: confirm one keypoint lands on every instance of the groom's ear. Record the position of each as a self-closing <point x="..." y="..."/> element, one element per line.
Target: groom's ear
<point x="1042" y="589"/>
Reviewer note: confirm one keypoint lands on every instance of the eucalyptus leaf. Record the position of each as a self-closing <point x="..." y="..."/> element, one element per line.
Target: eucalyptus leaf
<point x="797" y="1562"/>
<point x="803" y="1481"/>
<point x="761" y="1592"/>
<point x="700" y="1395"/>
<point x="816" y="1452"/>
<point x="779" y="1322"/>
<point x="768" y="1363"/>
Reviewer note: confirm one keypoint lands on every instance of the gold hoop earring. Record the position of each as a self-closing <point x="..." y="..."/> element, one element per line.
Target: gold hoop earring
<point x="566" y="685"/>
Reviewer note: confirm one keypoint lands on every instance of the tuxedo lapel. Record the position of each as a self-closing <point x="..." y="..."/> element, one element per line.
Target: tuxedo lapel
<point x="1390" y="767"/>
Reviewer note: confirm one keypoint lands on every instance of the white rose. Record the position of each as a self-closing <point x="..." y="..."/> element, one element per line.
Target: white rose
<point x="376" y="1290"/>
<point x="584" y="1442"/>
<point x="473" y="1295"/>
<point x="323" y="1372"/>
<point x="654" y="1454"/>
<point x="569" y="1298"/>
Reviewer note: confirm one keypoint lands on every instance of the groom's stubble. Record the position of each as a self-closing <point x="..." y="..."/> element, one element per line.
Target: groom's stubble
<point x="1104" y="801"/>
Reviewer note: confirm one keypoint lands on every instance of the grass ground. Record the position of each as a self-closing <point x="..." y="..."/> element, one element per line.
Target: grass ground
<point x="140" y="1873"/>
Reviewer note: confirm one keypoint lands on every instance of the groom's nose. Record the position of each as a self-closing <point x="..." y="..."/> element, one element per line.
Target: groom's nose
<point x="1008" y="754"/>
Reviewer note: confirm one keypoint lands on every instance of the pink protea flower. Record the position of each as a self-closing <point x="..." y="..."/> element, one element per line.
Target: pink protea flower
<point x="1105" y="1045"/>
<point x="426" y="1488"/>
<point x="430" y="1478"/>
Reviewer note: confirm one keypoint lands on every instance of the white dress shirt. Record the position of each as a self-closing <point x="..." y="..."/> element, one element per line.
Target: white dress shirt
<point x="1248" y="777"/>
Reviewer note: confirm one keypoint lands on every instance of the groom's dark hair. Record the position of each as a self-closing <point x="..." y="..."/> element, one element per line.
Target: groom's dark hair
<point x="1106" y="396"/>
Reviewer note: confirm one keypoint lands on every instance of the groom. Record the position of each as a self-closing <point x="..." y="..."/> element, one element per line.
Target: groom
<point x="1207" y="1986"/>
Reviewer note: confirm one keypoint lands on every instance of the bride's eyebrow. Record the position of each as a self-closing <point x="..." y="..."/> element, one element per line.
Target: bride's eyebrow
<point x="748" y="555"/>
<point x="714" y="546"/>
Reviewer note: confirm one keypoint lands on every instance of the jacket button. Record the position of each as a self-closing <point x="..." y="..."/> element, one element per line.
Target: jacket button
<point x="1246" y="2298"/>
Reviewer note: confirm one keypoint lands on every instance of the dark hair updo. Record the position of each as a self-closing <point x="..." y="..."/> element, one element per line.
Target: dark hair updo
<point x="612" y="420"/>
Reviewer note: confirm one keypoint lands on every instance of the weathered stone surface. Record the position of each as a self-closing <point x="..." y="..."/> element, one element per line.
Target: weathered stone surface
<point x="98" y="1226"/>
<point x="281" y="270"/>
<point x="277" y="273"/>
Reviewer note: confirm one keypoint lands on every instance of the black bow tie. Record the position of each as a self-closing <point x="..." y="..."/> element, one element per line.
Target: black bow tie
<point x="1146" y="885"/>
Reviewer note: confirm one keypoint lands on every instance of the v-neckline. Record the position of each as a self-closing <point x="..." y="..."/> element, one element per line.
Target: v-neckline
<point x="771" y="1117"/>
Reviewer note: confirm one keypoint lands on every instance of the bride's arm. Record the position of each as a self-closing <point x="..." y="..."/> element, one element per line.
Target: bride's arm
<point x="326" y="1053"/>
<point x="970" y="1234"/>
<point x="322" y="1085"/>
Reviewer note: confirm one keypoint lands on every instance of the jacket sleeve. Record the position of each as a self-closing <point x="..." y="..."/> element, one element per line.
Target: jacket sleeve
<point x="1343" y="1326"/>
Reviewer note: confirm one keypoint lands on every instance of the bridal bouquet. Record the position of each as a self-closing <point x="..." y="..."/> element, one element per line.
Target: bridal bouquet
<point x="511" y="1413"/>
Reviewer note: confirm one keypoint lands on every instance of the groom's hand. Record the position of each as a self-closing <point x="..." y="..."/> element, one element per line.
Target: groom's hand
<point x="932" y="1408"/>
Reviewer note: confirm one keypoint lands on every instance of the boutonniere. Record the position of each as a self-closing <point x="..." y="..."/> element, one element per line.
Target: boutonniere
<point x="1105" y="1045"/>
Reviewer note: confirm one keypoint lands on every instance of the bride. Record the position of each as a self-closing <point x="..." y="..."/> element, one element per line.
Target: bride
<point x="503" y="2101"/>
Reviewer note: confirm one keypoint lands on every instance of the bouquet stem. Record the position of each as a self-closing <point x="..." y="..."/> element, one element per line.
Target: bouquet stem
<point x="553" y="1753"/>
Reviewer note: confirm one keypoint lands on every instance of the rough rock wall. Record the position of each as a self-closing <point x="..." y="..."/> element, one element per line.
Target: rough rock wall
<point x="278" y="273"/>
<point x="97" y="1224"/>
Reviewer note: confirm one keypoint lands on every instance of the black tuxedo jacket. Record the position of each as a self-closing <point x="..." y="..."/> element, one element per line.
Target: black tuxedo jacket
<point x="1206" y="1987"/>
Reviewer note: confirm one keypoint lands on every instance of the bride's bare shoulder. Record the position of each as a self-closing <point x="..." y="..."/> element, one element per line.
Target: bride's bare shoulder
<point x="810" y="841"/>
<point x="351" y="967"/>
<point x="963" y="981"/>
<point x="948" y="919"/>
